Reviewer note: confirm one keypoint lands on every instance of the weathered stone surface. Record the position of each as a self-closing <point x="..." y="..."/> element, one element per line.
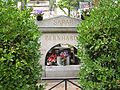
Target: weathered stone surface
<point x="59" y="21"/>
<point x="58" y="30"/>
<point x="62" y="71"/>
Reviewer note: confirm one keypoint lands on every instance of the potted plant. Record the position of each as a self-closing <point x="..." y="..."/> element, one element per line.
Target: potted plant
<point x="39" y="14"/>
<point x="64" y="56"/>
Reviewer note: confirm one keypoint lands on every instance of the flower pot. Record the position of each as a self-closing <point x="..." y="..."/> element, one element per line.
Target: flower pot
<point x="39" y="18"/>
<point x="59" y="61"/>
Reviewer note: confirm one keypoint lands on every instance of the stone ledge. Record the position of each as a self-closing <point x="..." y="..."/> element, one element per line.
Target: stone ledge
<point x="62" y="71"/>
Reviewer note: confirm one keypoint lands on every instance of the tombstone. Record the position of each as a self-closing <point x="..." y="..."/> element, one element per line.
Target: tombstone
<point x="59" y="46"/>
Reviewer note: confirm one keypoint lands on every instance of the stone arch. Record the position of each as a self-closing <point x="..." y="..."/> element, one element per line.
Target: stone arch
<point x="62" y="54"/>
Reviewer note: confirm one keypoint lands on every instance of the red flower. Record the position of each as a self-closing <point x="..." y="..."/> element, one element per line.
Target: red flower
<point x="52" y="58"/>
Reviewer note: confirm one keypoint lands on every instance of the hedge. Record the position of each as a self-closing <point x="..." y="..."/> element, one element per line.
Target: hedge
<point x="19" y="49"/>
<point x="99" y="47"/>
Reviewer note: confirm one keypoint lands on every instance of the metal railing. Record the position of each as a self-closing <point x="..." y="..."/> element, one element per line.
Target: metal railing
<point x="63" y="79"/>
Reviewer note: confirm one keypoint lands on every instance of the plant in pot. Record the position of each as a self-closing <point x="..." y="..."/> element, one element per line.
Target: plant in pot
<point x="39" y="14"/>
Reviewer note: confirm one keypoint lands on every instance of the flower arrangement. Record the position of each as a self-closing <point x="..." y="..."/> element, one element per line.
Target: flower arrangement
<point x="56" y="57"/>
<point x="39" y="13"/>
<point x="64" y="56"/>
<point x="52" y="59"/>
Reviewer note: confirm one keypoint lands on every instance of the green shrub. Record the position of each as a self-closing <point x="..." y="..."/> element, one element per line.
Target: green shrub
<point x="99" y="47"/>
<point x="19" y="54"/>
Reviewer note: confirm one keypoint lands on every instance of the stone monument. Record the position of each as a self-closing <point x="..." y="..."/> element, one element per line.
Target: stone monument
<point x="59" y="46"/>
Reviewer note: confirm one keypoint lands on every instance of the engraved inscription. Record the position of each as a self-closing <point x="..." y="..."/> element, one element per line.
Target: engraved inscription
<point x="63" y="22"/>
<point x="60" y="37"/>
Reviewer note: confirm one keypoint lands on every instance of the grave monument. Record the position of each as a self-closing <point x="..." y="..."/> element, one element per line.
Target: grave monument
<point x="59" y="46"/>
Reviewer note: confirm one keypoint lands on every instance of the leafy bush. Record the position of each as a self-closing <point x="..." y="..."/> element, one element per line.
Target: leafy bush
<point x="99" y="47"/>
<point x="19" y="54"/>
<point x="69" y="4"/>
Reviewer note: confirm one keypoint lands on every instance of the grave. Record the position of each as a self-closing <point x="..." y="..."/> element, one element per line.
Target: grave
<point x="59" y="46"/>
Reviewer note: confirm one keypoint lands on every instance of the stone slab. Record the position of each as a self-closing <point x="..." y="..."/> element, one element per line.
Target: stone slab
<point x="62" y="71"/>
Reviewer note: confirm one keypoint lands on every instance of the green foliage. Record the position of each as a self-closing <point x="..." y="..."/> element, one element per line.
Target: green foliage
<point x="19" y="54"/>
<point x="52" y="4"/>
<point x="69" y="4"/>
<point x="99" y="47"/>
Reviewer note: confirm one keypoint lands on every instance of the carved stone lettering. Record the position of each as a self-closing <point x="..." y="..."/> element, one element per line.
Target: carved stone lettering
<point x="63" y="22"/>
<point x="60" y="37"/>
